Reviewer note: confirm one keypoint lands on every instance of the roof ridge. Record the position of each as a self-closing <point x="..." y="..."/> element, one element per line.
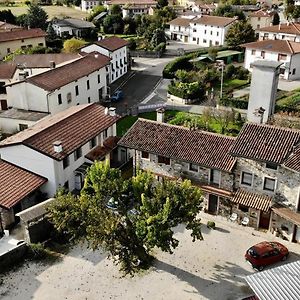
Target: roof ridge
<point x="273" y="126"/>
<point x="294" y="25"/>
<point x="290" y="47"/>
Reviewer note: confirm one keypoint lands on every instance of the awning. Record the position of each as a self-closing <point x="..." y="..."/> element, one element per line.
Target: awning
<point x="216" y="191"/>
<point x="253" y="200"/>
<point x="287" y="214"/>
<point x="280" y="283"/>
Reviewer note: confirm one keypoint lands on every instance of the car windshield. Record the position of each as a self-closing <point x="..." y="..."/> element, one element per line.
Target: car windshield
<point x="274" y="245"/>
<point x="253" y="253"/>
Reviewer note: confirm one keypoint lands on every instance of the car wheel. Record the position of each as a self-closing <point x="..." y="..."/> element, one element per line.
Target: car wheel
<point x="260" y="268"/>
<point x="284" y="258"/>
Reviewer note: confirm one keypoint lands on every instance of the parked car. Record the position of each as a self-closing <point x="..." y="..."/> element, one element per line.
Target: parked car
<point x="266" y="253"/>
<point x="117" y="96"/>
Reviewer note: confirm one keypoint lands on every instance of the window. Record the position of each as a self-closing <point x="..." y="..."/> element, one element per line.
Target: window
<point x="217" y="33"/>
<point x="269" y="184"/>
<point x="88" y="85"/>
<point x="8" y="50"/>
<point x="93" y="142"/>
<point x="163" y="160"/>
<point x="2" y="87"/>
<point x="215" y="176"/>
<point x="104" y="134"/>
<point x="69" y="97"/>
<point x="217" y="43"/>
<point x="145" y="155"/>
<point x="211" y="33"/>
<point x="205" y="31"/>
<point x="23" y="47"/>
<point x="66" y="162"/>
<point x="194" y="30"/>
<point x="77" y="153"/>
<point x="23" y="127"/>
<point x="76" y="90"/>
<point x="246" y="178"/>
<point x="258" y="19"/>
<point x="294" y="71"/>
<point x="271" y="166"/>
<point x="89" y="99"/>
<point x="258" y="26"/>
<point x="263" y="54"/>
<point x="99" y="78"/>
<point x="204" y="41"/>
<point x="22" y="40"/>
<point x="66" y="185"/>
<point x="41" y="44"/>
<point x="253" y="52"/>
<point x="243" y="208"/>
<point x="59" y="99"/>
<point x="194" y="39"/>
<point x="282" y="56"/>
<point x="193" y="167"/>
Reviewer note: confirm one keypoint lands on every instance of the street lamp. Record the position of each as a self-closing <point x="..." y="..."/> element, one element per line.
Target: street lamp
<point x="221" y="64"/>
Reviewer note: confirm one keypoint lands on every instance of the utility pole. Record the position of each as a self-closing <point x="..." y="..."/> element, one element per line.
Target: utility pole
<point x="220" y="63"/>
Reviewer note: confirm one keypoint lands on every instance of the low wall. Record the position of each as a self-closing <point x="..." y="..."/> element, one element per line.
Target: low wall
<point x="181" y="100"/>
<point x="13" y="256"/>
<point x="150" y="54"/>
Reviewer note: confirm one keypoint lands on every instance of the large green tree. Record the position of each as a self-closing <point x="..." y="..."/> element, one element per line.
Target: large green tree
<point x="36" y="17"/>
<point x="128" y="218"/>
<point x="239" y="33"/>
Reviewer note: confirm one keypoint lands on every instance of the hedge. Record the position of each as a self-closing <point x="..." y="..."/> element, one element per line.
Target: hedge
<point x="234" y="102"/>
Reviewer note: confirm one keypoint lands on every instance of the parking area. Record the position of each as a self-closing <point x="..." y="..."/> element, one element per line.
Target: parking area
<point x="209" y="269"/>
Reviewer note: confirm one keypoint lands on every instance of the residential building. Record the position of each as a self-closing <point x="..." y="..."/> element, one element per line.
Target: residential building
<point x="7" y="75"/>
<point x="202" y="8"/>
<point x="73" y="27"/>
<point x="116" y="49"/>
<point x="283" y="51"/>
<point x="19" y="189"/>
<point x="261" y="18"/>
<point x="289" y="31"/>
<point x="4" y="26"/>
<point x="20" y="39"/>
<point x="203" y="30"/>
<point x="55" y="148"/>
<point x="88" y="5"/>
<point x="78" y="82"/>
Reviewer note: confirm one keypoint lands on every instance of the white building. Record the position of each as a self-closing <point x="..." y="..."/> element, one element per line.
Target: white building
<point x="81" y="81"/>
<point x="288" y="31"/>
<point x="205" y="31"/>
<point x="116" y="49"/>
<point x="284" y="51"/>
<point x="88" y="5"/>
<point x="55" y="147"/>
<point x="261" y="18"/>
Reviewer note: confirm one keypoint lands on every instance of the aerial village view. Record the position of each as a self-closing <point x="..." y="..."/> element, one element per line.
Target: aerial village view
<point x="150" y="149"/>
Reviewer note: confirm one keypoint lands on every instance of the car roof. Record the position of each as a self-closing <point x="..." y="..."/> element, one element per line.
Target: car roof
<point x="263" y="247"/>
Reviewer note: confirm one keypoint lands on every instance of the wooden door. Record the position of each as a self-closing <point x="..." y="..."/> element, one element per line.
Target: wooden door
<point x="212" y="204"/>
<point x="3" y="104"/>
<point x="264" y="220"/>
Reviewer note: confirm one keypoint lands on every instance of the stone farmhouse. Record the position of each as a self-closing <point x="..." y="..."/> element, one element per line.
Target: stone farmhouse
<point x="261" y="18"/>
<point x="20" y="39"/>
<point x="201" y="30"/>
<point x="255" y="175"/>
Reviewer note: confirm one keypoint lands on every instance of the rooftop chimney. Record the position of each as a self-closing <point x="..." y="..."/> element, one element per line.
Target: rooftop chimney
<point x="106" y="111"/>
<point x="57" y="147"/>
<point x="96" y="55"/>
<point x="160" y="115"/>
<point x="52" y="64"/>
<point x="112" y="111"/>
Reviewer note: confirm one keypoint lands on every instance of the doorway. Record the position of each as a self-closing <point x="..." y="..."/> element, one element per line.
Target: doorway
<point x="212" y="204"/>
<point x="264" y="220"/>
<point x="3" y="105"/>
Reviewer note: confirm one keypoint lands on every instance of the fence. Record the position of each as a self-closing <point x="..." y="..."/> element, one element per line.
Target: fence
<point x="150" y="54"/>
<point x="150" y="107"/>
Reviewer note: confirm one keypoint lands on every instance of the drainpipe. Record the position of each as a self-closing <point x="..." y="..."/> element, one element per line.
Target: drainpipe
<point x="47" y="96"/>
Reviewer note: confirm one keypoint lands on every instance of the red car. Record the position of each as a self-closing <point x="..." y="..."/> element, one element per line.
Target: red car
<point x="266" y="253"/>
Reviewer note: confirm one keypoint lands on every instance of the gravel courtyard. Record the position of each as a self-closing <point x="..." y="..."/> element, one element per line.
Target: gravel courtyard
<point x="209" y="269"/>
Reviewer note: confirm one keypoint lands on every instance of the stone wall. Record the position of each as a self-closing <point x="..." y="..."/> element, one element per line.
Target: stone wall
<point x="7" y="217"/>
<point x="13" y="256"/>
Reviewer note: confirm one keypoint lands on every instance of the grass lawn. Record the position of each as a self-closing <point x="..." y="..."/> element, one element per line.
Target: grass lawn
<point x="289" y="101"/>
<point x="52" y="11"/>
<point x="234" y="83"/>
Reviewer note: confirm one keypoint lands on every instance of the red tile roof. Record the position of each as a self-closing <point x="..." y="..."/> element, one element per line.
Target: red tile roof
<point x="214" y="21"/>
<point x="293" y="161"/>
<point x="7" y="70"/>
<point x="16" y="184"/>
<point x="262" y="13"/>
<point x="132" y="2"/>
<point x="60" y="76"/>
<point x="253" y="200"/>
<point x="289" y="28"/>
<point x="279" y="46"/>
<point x="287" y="213"/>
<point x="199" y="147"/>
<point x="180" y="22"/>
<point x="21" y="34"/>
<point x="112" y="43"/>
<point x="73" y="127"/>
<point x="265" y="143"/>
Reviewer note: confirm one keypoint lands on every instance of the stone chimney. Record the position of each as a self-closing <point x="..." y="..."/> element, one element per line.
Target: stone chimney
<point x="52" y="64"/>
<point x="57" y="146"/>
<point x="112" y="111"/>
<point x="160" y="115"/>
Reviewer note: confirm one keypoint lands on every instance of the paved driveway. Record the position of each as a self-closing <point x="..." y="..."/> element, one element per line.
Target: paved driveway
<point x="212" y="269"/>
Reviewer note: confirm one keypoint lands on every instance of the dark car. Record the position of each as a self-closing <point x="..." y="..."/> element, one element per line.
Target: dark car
<point x="117" y="96"/>
<point x="266" y="253"/>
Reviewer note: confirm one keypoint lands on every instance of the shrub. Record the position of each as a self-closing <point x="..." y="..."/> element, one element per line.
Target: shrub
<point x="160" y="47"/>
<point x="234" y="102"/>
<point x="186" y="90"/>
<point x="211" y="224"/>
<point x="177" y="64"/>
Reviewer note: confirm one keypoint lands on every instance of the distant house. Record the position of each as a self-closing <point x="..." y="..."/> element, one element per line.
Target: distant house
<point x="7" y="75"/>
<point x="4" y="26"/>
<point x="202" y="30"/>
<point x="204" y="9"/>
<point x="116" y="49"/>
<point x="88" y="5"/>
<point x="55" y="148"/>
<point x="19" y="189"/>
<point x="261" y="18"/>
<point x="73" y="27"/>
<point x="283" y="51"/>
<point x="289" y="31"/>
<point x="78" y="82"/>
<point x="20" y="39"/>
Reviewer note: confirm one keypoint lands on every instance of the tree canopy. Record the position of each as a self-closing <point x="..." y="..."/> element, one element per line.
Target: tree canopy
<point x="239" y="33"/>
<point x="36" y="17"/>
<point x="228" y="11"/>
<point x="7" y="16"/>
<point x="128" y="218"/>
<point x="72" y="45"/>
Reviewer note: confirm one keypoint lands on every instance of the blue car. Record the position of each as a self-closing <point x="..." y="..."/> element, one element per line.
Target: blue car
<point x="117" y="96"/>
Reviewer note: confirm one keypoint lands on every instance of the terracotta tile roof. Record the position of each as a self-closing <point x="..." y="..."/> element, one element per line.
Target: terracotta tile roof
<point x="112" y="43"/>
<point x="60" y="76"/>
<point x="262" y="14"/>
<point x="180" y="22"/>
<point x="289" y="28"/>
<point x="7" y="70"/>
<point x="293" y="161"/>
<point x="21" y="34"/>
<point x="8" y="27"/>
<point x="73" y="127"/>
<point x="265" y="143"/>
<point x="281" y="46"/>
<point x="43" y="60"/>
<point x="214" y="21"/>
<point x="99" y="152"/>
<point x="287" y="213"/>
<point x="215" y="190"/>
<point x="16" y="184"/>
<point x="133" y="2"/>
<point x="253" y="200"/>
<point x="199" y="147"/>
